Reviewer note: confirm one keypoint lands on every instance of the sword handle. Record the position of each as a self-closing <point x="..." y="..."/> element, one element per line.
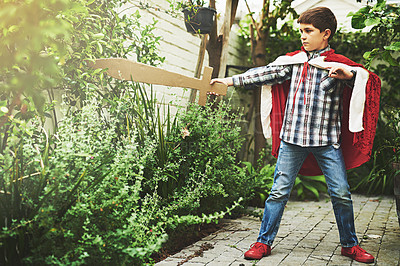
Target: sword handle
<point x="218" y="88"/>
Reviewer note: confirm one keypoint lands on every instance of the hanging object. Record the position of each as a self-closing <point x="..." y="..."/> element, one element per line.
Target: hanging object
<point x="199" y="19"/>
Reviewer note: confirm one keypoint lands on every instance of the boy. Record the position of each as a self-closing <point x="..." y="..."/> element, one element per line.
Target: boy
<point x="324" y="105"/>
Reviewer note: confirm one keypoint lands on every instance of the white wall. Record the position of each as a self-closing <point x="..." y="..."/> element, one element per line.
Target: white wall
<point x="180" y="48"/>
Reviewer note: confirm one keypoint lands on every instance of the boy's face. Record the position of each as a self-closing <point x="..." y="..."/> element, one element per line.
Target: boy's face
<point x="312" y="38"/>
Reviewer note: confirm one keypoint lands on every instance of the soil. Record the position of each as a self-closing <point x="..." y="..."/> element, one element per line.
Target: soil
<point x="179" y="240"/>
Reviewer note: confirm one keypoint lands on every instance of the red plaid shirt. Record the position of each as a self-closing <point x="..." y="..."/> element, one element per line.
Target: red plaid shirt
<point x="313" y="108"/>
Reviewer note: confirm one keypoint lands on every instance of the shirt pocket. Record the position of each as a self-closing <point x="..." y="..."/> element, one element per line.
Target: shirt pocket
<point x="327" y="83"/>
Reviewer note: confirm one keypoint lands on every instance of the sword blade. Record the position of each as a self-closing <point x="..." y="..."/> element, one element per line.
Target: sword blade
<point x="124" y="69"/>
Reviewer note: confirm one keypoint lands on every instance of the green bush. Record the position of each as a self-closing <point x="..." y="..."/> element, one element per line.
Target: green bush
<point x="117" y="175"/>
<point x="378" y="179"/>
<point x="263" y="180"/>
<point x="380" y="47"/>
<point x="211" y="146"/>
<point x="92" y="195"/>
<point x="305" y="185"/>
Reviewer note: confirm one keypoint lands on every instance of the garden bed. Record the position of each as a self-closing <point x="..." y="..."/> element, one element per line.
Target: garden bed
<point x="180" y="240"/>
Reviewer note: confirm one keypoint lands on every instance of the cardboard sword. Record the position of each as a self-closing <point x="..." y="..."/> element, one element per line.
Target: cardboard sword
<point x="125" y="69"/>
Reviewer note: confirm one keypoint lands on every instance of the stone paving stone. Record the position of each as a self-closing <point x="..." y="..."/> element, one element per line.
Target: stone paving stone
<point x="217" y="262"/>
<point x="240" y="235"/>
<point x="388" y="257"/>
<point x="308" y="236"/>
<point x="242" y="263"/>
<point x="315" y="262"/>
<point x="245" y="244"/>
<point x="193" y="264"/>
<point x="322" y="251"/>
<point x="339" y="260"/>
<point x="276" y="257"/>
<point x="169" y="261"/>
<point x="287" y="243"/>
<point x="324" y="257"/>
<point x="298" y="255"/>
<point x="209" y="237"/>
<point x="204" y="259"/>
<point x="306" y="243"/>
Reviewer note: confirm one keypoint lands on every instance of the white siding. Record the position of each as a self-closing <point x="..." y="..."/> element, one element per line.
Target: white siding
<point x="179" y="47"/>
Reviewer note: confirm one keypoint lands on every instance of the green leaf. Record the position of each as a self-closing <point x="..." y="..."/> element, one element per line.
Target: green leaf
<point x="100" y="48"/>
<point x="96" y="71"/>
<point x="372" y="21"/>
<point x="249" y="167"/>
<point x="371" y="55"/>
<point x="367" y="55"/>
<point x="386" y="55"/>
<point x="393" y="46"/>
<point x="300" y="191"/>
<point x="381" y="4"/>
<point x="364" y="10"/>
<point x="350" y="14"/>
<point x="358" y="21"/>
<point x="358" y="18"/>
<point x="98" y="36"/>
<point x="319" y="178"/>
<point x="310" y="187"/>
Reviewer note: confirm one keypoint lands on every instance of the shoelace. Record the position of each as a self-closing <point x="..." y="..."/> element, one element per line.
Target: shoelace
<point x="258" y="245"/>
<point x="358" y="250"/>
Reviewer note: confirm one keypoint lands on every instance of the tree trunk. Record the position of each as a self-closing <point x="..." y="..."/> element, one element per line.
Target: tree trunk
<point x="259" y="36"/>
<point x="216" y="41"/>
<point x="258" y="54"/>
<point x="259" y="139"/>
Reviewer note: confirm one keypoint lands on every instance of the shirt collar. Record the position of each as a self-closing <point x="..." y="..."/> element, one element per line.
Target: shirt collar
<point x="316" y="53"/>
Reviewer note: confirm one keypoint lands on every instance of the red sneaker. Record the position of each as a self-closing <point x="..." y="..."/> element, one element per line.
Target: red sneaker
<point x="257" y="251"/>
<point x="358" y="254"/>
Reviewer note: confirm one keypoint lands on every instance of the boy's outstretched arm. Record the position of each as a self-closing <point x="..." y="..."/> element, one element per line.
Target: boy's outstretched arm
<point x="340" y="73"/>
<point x="227" y="81"/>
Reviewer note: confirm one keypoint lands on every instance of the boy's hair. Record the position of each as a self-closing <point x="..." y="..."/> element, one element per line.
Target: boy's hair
<point x="320" y="17"/>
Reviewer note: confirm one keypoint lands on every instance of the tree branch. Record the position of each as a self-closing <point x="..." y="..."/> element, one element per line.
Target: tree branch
<point x="252" y="19"/>
<point x="264" y="15"/>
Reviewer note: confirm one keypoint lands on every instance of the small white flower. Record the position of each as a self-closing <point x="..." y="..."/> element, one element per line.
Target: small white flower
<point x="185" y="132"/>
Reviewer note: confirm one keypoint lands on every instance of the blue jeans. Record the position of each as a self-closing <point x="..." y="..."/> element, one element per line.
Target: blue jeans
<point x="290" y="160"/>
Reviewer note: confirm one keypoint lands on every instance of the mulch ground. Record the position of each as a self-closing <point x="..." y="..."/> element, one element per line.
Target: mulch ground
<point x="179" y="240"/>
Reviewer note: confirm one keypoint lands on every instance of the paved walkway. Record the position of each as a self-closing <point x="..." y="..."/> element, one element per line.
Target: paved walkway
<point x="308" y="236"/>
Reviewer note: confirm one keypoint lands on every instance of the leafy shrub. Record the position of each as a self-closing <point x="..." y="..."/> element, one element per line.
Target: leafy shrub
<point x="91" y="199"/>
<point x="309" y="184"/>
<point x="379" y="178"/>
<point x="117" y="176"/>
<point x="382" y="57"/>
<point x="210" y="147"/>
<point x="263" y="180"/>
<point x="306" y="187"/>
<point x="29" y="49"/>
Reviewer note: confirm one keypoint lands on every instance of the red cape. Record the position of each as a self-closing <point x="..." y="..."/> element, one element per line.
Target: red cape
<point x="357" y="146"/>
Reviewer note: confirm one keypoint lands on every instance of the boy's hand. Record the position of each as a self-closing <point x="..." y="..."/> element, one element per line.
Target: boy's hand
<point x="340" y="73"/>
<point x="226" y="81"/>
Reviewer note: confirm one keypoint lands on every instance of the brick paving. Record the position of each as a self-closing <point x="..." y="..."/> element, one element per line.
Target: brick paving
<point x="307" y="236"/>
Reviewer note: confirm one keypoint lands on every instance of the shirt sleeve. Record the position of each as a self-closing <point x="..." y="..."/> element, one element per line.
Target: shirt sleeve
<point x="351" y="81"/>
<point x="265" y="75"/>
